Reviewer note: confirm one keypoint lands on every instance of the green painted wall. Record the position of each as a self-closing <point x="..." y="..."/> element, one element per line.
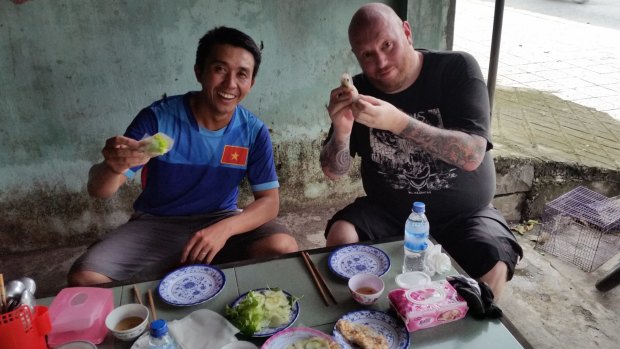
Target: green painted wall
<point x="75" y="72"/>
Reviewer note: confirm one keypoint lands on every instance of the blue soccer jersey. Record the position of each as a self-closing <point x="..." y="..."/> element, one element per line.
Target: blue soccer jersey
<point x="202" y="172"/>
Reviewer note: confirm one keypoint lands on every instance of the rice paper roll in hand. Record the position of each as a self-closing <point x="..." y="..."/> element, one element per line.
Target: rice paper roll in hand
<point x="347" y="82"/>
<point x="156" y="145"/>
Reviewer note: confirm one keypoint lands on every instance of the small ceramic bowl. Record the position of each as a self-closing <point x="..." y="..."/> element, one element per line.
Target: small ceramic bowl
<point x="128" y="321"/>
<point x="366" y="288"/>
<point x="412" y="279"/>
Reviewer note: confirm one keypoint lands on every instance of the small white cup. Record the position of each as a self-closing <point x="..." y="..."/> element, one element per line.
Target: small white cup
<point x="366" y="288"/>
<point x="412" y="279"/>
<point x="130" y="330"/>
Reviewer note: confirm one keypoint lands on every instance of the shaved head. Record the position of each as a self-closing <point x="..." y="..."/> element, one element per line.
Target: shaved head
<point x="383" y="45"/>
<point x="372" y="14"/>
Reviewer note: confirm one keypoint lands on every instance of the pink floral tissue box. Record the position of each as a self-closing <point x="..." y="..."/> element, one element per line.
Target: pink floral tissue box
<point x="429" y="305"/>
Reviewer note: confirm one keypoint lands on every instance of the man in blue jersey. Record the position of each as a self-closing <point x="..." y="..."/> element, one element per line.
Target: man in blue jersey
<point x="187" y="211"/>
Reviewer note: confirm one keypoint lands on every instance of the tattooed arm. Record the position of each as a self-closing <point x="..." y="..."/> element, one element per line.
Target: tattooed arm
<point x="335" y="158"/>
<point x="457" y="148"/>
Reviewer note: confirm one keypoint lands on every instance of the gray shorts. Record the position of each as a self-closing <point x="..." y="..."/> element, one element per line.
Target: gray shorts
<point x="149" y="245"/>
<point x="476" y="243"/>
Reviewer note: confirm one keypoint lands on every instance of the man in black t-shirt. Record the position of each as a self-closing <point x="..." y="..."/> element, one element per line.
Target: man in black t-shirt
<point x="421" y="124"/>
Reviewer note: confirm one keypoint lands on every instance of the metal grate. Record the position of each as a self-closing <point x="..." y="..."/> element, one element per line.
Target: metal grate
<point x="581" y="227"/>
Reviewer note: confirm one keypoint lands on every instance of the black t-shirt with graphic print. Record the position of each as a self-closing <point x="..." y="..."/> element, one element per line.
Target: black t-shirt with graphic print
<point x="450" y="93"/>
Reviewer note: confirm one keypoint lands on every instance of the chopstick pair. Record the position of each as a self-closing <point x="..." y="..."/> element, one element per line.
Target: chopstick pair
<point x="152" y="305"/>
<point x="2" y="292"/>
<point x="318" y="279"/>
<point x="150" y="299"/>
<point x="136" y="294"/>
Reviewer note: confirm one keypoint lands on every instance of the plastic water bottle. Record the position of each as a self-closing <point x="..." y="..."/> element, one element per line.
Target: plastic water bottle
<point x="159" y="338"/>
<point x="416" y="235"/>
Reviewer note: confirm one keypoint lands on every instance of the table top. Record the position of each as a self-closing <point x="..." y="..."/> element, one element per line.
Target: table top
<point x="293" y="276"/>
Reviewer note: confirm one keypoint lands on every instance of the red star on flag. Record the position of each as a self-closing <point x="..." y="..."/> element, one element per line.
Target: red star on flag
<point x="233" y="155"/>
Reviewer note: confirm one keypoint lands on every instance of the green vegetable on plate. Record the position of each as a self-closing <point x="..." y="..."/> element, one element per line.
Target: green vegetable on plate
<point x="259" y="309"/>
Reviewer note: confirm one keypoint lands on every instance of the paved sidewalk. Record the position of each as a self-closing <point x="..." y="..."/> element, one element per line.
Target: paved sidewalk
<point x="574" y="61"/>
<point x="558" y="84"/>
<point x="536" y="124"/>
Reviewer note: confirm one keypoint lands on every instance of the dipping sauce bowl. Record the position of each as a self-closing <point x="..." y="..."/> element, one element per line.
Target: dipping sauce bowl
<point x="128" y="321"/>
<point x="366" y="288"/>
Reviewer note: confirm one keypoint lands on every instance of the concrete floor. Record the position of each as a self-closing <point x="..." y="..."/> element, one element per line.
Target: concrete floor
<point x="555" y="304"/>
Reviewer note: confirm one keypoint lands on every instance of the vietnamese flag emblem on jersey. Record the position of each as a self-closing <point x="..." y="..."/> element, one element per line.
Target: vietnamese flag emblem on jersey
<point x="233" y="155"/>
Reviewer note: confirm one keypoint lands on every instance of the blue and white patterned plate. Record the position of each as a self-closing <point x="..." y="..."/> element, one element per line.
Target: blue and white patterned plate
<point x="393" y="330"/>
<point x="350" y="260"/>
<point x="191" y="285"/>
<point x="268" y="331"/>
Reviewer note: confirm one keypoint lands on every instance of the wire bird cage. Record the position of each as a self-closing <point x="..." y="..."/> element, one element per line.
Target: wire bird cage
<point x="581" y="227"/>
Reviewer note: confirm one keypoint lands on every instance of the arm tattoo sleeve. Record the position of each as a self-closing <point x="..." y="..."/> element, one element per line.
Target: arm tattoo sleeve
<point x="454" y="147"/>
<point x="335" y="157"/>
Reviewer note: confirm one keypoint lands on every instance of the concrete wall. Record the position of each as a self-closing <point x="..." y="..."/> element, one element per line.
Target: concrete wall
<point x="75" y="72"/>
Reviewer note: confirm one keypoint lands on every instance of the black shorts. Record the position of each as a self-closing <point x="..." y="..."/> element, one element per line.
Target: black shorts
<point x="476" y="243"/>
<point x="152" y="245"/>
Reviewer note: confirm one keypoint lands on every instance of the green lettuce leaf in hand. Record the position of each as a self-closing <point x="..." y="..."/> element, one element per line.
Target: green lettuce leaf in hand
<point x="157" y="144"/>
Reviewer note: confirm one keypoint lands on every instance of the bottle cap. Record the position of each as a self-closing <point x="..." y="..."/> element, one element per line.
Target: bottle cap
<point x="419" y="207"/>
<point x="158" y="328"/>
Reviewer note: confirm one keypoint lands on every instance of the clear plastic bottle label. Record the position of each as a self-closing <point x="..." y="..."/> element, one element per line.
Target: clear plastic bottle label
<point x="416" y="234"/>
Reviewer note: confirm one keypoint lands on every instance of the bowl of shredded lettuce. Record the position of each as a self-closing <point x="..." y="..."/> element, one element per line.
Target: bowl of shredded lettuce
<point x="263" y="312"/>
